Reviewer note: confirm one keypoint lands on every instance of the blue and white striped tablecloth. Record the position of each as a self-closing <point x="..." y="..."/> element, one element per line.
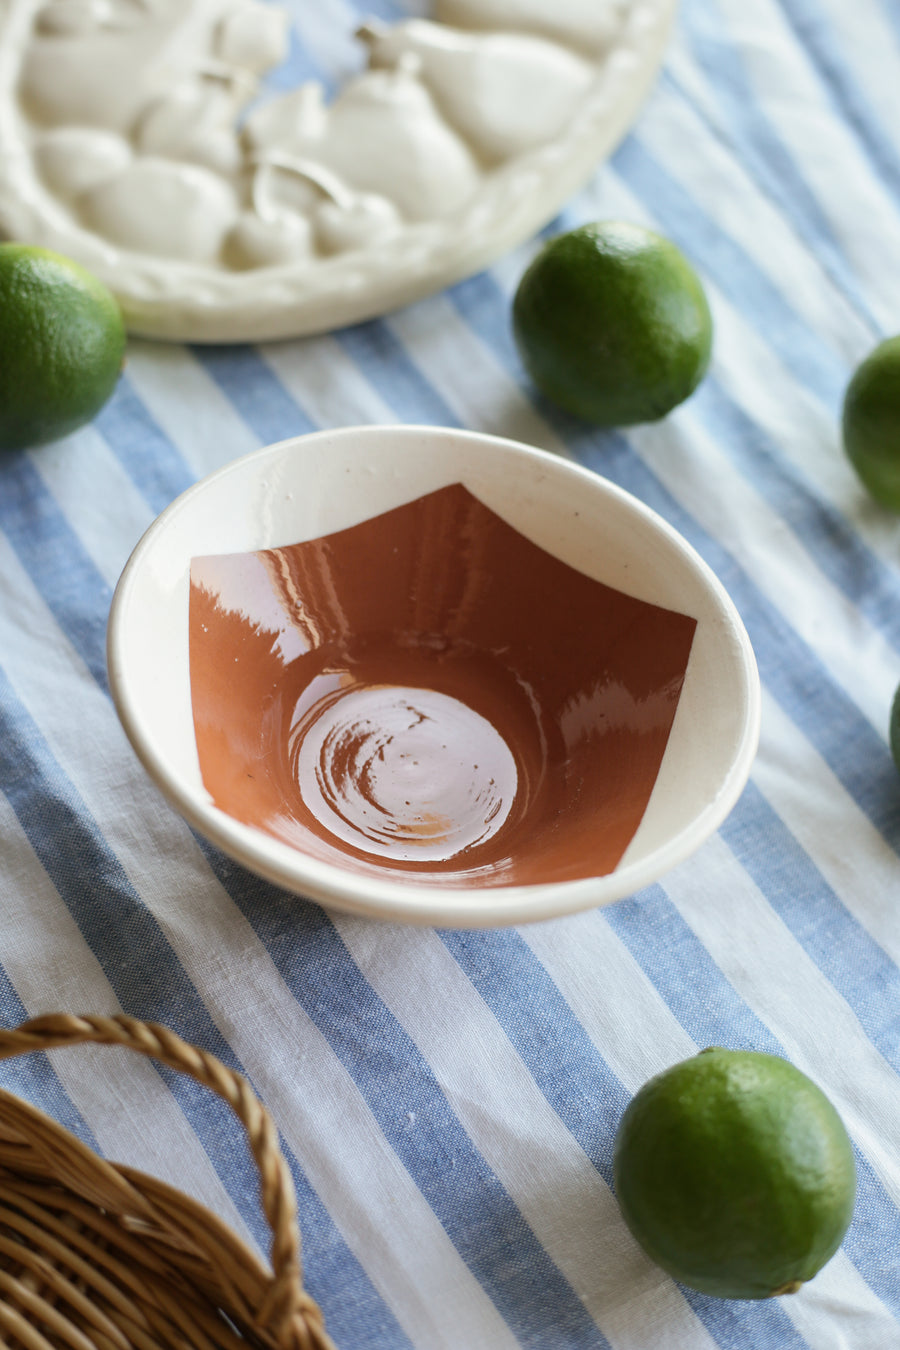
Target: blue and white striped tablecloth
<point x="447" y="1100"/>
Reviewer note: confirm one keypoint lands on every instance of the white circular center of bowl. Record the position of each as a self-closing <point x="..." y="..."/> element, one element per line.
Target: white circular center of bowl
<point x="403" y="772"/>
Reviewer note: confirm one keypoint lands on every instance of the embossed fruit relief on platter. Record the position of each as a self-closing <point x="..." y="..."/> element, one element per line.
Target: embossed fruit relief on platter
<point x="142" y="138"/>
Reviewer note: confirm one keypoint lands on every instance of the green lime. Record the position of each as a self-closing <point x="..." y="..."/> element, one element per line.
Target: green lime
<point x="62" y="342"/>
<point x="735" y="1174"/>
<point x="894" y="727"/>
<point x="612" y="323"/>
<point x="871" y="422"/>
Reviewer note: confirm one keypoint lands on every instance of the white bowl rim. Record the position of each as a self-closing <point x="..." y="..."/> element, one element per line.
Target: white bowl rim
<point x="405" y="901"/>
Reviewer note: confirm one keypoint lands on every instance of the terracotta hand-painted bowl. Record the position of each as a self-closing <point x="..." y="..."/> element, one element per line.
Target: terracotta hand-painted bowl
<point x="433" y="676"/>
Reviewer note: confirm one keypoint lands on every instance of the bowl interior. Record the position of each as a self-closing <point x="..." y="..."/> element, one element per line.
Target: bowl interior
<point x="431" y="693"/>
<point x="434" y="675"/>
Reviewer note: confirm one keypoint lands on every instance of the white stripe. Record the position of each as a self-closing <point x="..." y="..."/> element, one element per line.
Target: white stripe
<point x="869" y="44"/>
<point x="465" y="372"/>
<point x="622" y="1011"/>
<point x="188" y="405"/>
<point x="693" y="82"/>
<point x="686" y="460"/>
<point x="723" y="190"/>
<point x="97" y="497"/>
<point x="552" y="1181"/>
<point x="320" y="1111"/>
<point x="508" y="270"/>
<point x="370" y="1196"/>
<point x="827" y="823"/>
<point x="772" y="973"/>
<point x="329" y="387"/>
<point x="836" y="1300"/>
<point x="133" y="1115"/>
<point x="806" y="432"/>
<point x="789" y="90"/>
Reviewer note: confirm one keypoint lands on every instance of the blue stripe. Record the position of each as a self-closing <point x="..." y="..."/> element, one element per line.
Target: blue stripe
<point x="712" y="1013"/>
<point x="302" y="62"/>
<point x="892" y="14"/>
<point x="145" y="975"/>
<point x="51" y="553"/>
<point x="388" y="367"/>
<point x="295" y="70"/>
<point x="149" y="982"/>
<point x="848" y="956"/>
<point x="851" y="960"/>
<point x="486" y="309"/>
<point x="32" y="1076"/>
<point x="398" y="1084"/>
<point x="817" y="38"/>
<point x="734" y="272"/>
<point x="147" y="455"/>
<point x="560" y="1056"/>
<point x="872" y="585"/>
<point x="679" y="966"/>
<point x="583" y="1091"/>
<point x="255" y="392"/>
<point x="389" y="11"/>
<point x="763" y="153"/>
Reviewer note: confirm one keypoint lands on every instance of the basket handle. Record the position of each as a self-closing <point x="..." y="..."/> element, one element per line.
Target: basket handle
<point x="286" y="1296"/>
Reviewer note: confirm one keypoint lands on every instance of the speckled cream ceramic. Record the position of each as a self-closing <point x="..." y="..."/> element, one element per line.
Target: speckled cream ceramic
<point x="433" y="676"/>
<point x="132" y="139"/>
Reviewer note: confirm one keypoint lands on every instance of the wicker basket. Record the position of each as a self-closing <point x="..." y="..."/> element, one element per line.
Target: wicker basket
<point x="96" y="1256"/>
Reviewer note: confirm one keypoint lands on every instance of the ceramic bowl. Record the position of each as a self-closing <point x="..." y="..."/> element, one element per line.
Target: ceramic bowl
<point x="433" y="676"/>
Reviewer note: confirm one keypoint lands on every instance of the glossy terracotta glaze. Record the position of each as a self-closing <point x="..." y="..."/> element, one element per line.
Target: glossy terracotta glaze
<point x="430" y="693"/>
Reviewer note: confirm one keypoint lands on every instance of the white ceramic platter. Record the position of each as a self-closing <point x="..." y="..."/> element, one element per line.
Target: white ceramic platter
<point x="317" y="484"/>
<point x="132" y="139"/>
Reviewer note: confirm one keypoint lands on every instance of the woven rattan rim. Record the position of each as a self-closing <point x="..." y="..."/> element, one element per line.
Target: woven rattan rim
<point x="97" y="1256"/>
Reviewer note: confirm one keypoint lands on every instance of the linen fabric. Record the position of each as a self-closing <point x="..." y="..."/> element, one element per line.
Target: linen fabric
<point x="448" y="1100"/>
